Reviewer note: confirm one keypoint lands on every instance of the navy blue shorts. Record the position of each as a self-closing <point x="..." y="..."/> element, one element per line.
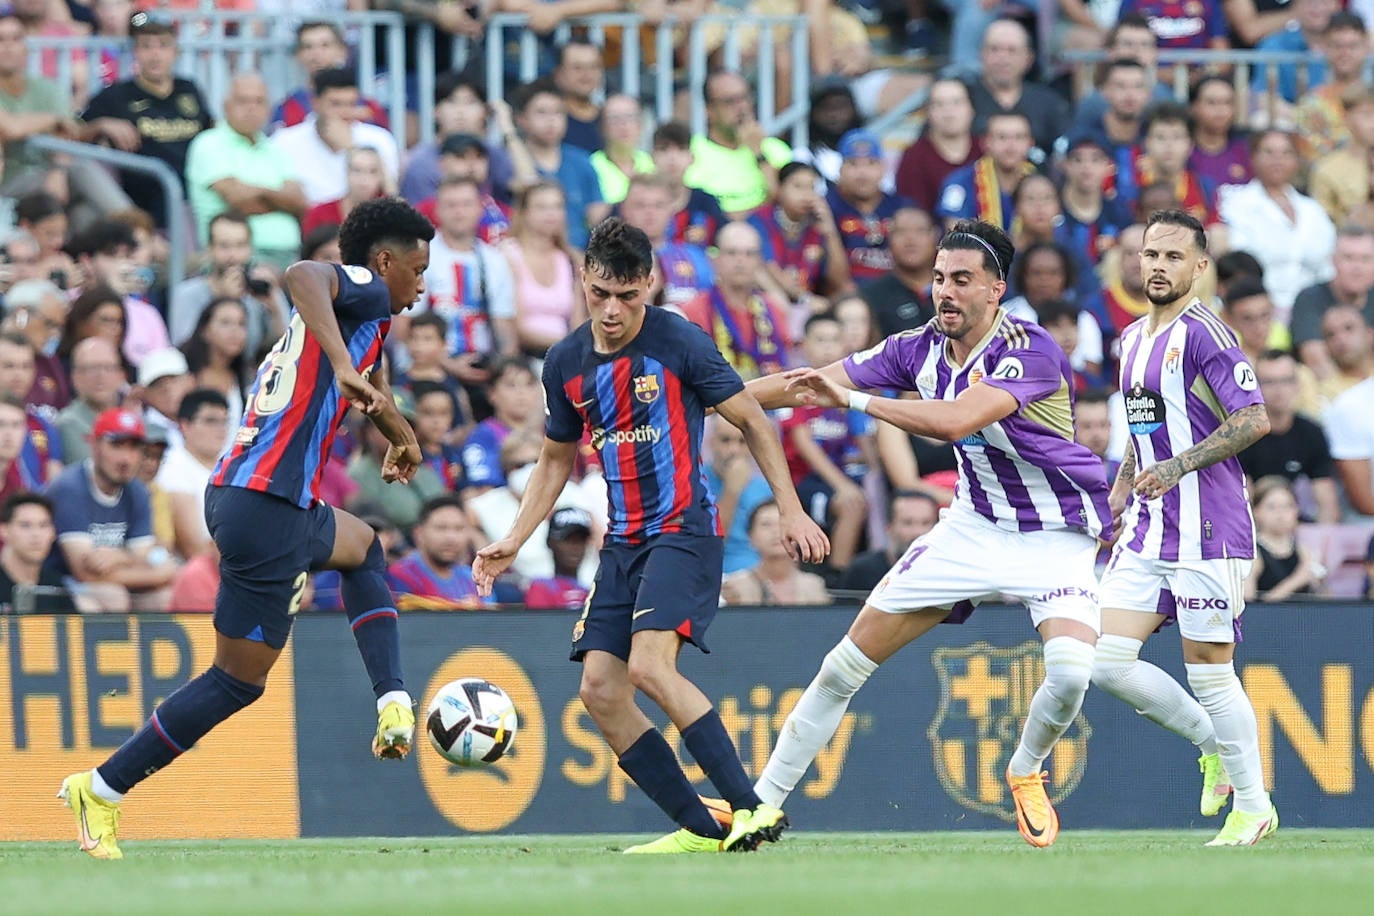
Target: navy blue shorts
<point x="670" y="582"/>
<point x="267" y="548"/>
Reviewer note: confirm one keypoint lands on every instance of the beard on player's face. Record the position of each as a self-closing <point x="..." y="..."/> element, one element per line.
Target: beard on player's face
<point x="1159" y="294"/>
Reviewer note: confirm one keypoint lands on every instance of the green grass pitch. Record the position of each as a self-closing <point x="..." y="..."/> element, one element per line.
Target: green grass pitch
<point x="964" y="874"/>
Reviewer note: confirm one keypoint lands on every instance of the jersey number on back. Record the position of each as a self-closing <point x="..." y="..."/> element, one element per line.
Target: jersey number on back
<point x="279" y="384"/>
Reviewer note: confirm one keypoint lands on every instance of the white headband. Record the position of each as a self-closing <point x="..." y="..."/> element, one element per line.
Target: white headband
<point x="996" y="260"/>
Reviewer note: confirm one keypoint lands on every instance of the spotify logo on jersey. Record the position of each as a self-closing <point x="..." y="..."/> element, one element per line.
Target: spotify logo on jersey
<point x="1144" y="411"/>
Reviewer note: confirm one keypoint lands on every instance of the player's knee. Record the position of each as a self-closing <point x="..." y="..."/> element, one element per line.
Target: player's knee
<point x="242" y="693"/>
<point x="1114" y="660"/>
<point x="375" y="558"/>
<point x="1069" y="666"/>
<point x="844" y="670"/>
<point x="651" y="676"/>
<point x="602" y="695"/>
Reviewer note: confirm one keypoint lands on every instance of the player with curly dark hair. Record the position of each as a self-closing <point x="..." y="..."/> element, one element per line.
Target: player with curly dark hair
<point x="265" y="514"/>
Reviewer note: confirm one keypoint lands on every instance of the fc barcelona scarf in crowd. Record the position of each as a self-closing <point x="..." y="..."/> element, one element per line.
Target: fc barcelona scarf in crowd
<point x="987" y="193"/>
<point x="765" y="356"/>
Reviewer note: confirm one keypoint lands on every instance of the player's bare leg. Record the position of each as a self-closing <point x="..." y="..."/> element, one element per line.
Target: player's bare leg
<point x="1150" y="691"/>
<point x="873" y="638"/>
<point x="1068" y="671"/>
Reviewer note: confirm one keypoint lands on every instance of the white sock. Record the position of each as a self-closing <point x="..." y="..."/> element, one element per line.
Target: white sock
<point x="813" y="720"/>
<point x="1068" y="671"/>
<point x="1221" y="694"/>
<point x="1150" y="691"/>
<point x="103" y="790"/>
<point x="399" y="696"/>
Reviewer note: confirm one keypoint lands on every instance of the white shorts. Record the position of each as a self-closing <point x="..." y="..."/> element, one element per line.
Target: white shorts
<point x="966" y="560"/>
<point x="1205" y="597"/>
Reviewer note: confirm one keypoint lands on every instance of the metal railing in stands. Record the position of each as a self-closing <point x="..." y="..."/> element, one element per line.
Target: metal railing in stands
<point x="214" y="46"/>
<point x="1241" y="63"/>
<point x="178" y="223"/>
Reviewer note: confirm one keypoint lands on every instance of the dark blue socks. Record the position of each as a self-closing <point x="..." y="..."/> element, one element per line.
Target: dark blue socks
<point x="710" y="746"/>
<point x="372" y="615"/>
<point x="650" y="762"/>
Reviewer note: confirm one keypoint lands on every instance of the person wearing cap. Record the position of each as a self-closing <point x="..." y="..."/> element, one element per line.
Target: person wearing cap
<point x="734" y="160"/>
<point x="163" y="380"/>
<point x="466" y="156"/>
<point x="107" y="552"/>
<point x="156" y="113"/>
<point x="366" y="180"/>
<point x="233" y="166"/>
<point x="862" y="210"/>
<point x="320" y="45"/>
<point x="436" y="574"/>
<point x="570" y="532"/>
<point x="984" y="189"/>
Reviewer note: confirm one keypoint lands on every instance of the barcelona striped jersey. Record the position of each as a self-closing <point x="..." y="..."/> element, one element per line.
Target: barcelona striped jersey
<point x="294" y="407"/>
<point x="645" y="406"/>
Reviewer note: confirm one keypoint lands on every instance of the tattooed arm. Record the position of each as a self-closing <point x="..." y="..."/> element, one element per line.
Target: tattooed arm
<point x="1240" y="430"/>
<point x="1120" y="493"/>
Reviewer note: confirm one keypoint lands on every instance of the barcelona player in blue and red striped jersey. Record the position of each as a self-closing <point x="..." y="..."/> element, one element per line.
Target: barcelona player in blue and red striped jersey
<point x="641" y="379"/>
<point x="266" y="517"/>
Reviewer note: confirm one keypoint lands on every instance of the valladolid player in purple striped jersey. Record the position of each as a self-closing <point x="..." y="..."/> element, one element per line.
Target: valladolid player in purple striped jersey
<point x="1001" y="390"/>
<point x="1187" y="538"/>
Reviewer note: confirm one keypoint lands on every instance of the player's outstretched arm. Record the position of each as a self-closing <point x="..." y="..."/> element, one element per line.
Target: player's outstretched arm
<point x="977" y="407"/>
<point x="773" y="391"/>
<point x="1236" y="433"/>
<point x="546" y="482"/>
<point x="803" y="536"/>
<point x="312" y="286"/>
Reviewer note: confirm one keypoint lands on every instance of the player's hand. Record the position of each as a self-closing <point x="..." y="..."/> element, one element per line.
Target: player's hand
<point x="803" y="538"/>
<point x="815" y="389"/>
<point x="491" y="561"/>
<point x="401" y="462"/>
<point x="1158" y="479"/>
<point x="360" y="393"/>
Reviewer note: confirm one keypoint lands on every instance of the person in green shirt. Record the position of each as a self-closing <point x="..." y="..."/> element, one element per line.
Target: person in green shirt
<point x="735" y="161"/>
<point x="622" y="126"/>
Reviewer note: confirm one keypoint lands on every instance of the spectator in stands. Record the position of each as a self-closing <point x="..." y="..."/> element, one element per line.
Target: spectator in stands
<point x="460" y="108"/>
<point x="1283" y="567"/>
<point x="1320" y="115"/>
<point x="164" y="523"/>
<point x="111" y="24"/>
<point x="44" y="218"/>
<point x="1350" y="347"/>
<point x="217" y="359"/>
<point x="28" y="535"/>
<point x="1306" y="31"/>
<point x="427" y="345"/>
<point x="1295" y="447"/>
<point x="969" y="24"/>
<point x="97" y="378"/>
<point x="1221" y="152"/>
<point x="547" y="297"/>
<point x="436" y="415"/>
<point x="230" y="274"/>
<point x="1253" y="20"/>
<point x="1352" y="284"/>
<point x="1350" y="430"/>
<point x="829" y="452"/>
<point x="1123" y="288"/>
<point x="1043" y="273"/>
<point x="620" y="156"/>
<point x="861" y="210"/>
<point x="1092" y="426"/>
<point x="833" y="114"/>
<point x="469" y="284"/>
<point x="1195" y="26"/>
<point x="156" y="113"/>
<point x="19" y="260"/>
<point x="983" y="190"/>
<point x="466" y="156"/>
<point x="1038" y="210"/>
<point x="320" y="46"/>
<point x="436" y="575"/>
<point x="947" y="144"/>
<point x="917" y="463"/>
<point x="13" y="433"/>
<point x="802" y="248"/>
<point x="196" y="585"/>
<point x="900" y="300"/>
<point x="1061" y="318"/>
<point x="570" y="531"/>
<point x="909" y="516"/>
<point x="1090" y="221"/>
<point x="541" y="151"/>
<point x="776" y="580"/>
<point x="748" y="327"/>
<point x="164" y="378"/>
<point x="734" y="161"/>
<point x="684" y="271"/>
<point x="98" y="312"/>
<point x="322" y="245"/>
<point x="317" y="147"/>
<point x="203" y="418"/>
<point x="857" y="332"/>
<point x="1339" y="181"/>
<point x="580" y="78"/>
<point x="366" y="179"/>
<point x="42" y="457"/>
<point x="1287" y="232"/>
<point x="734" y="479"/>
<point x="233" y="166"/>
<point x="1248" y="309"/>
<point x="403" y="506"/>
<point x="1002" y="87"/>
<point x="38" y="310"/>
<point x="696" y="214"/>
<point x="104" y="524"/>
<point x="1125" y="89"/>
<point x="1165" y="147"/>
<point x="1130" y="38"/>
<point x="517" y="403"/>
<point x="104" y="252"/>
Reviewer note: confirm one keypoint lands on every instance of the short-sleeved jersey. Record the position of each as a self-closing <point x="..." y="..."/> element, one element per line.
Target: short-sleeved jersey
<point x="1180" y="23"/>
<point x="418" y="586"/>
<point x="865" y="234"/>
<point x="82" y="514"/>
<point x="645" y="405"/>
<point x="802" y="255"/>
<point x="1180" y="384"/>
<point x="696" y="223"/>
<point x="687" y="272"/>
<point x="481" y="455"/>
<point x="42" y="444"/>
<point x="294" y="407"/>
<point x="556" y="593"/>
<point x="836" y="431"/>
<point x="1023" y="472"/>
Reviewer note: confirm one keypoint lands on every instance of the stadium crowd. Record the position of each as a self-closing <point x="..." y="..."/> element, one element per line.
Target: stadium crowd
<point x="118" y="391"/>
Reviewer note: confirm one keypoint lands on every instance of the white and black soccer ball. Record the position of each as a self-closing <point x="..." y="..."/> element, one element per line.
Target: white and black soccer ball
<point x="471" y="722"/>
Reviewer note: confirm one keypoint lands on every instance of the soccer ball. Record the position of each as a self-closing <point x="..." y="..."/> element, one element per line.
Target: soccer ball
<point x="471" y="722"/>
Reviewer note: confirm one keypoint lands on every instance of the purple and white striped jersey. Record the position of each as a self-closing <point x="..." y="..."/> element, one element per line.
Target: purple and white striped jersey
<point x="1024" y="472"/>
<point x="1180" y="384"/>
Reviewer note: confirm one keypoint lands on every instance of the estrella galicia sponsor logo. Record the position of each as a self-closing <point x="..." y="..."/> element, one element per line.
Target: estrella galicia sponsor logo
<point x="1202" y="604"/>
<point x="644" y="433"/>
<point x="1144" y="411"/>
